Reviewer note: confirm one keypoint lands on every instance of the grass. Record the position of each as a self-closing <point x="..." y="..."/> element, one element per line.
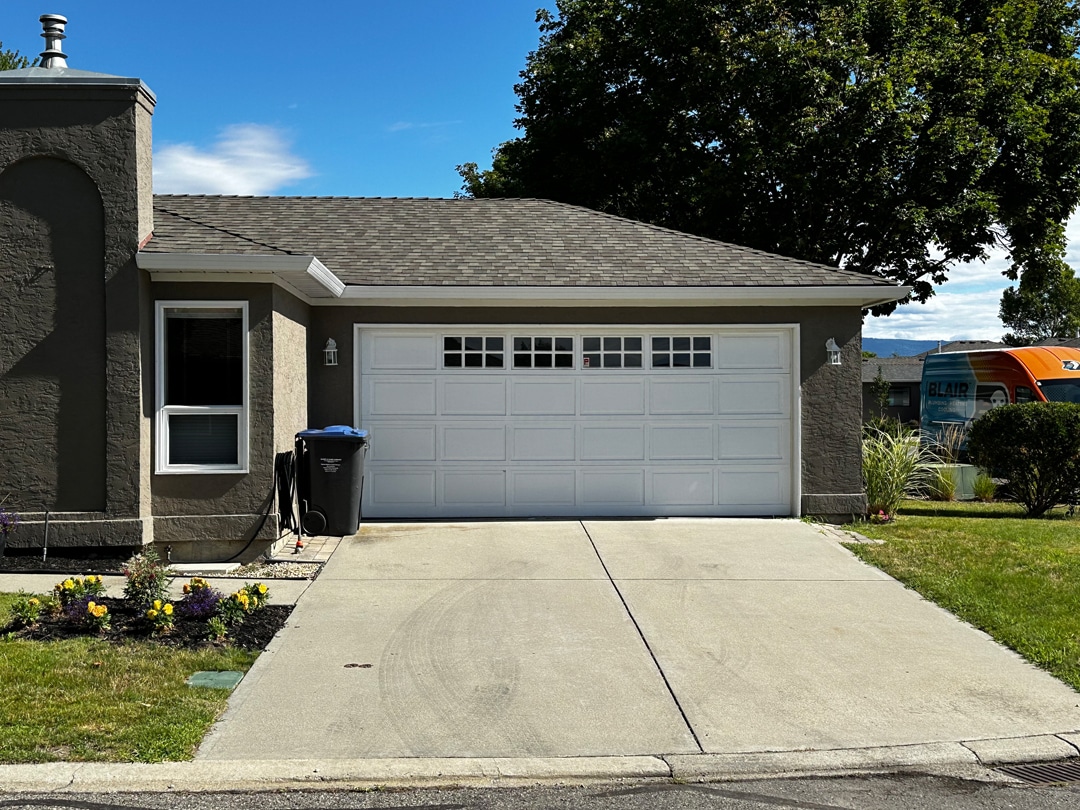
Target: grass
<point x="85" y="700"/>
<point x="1015" y="578"/>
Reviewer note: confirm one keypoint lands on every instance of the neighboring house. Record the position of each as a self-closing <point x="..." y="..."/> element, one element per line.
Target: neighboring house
<point x="904" y="375"/>
<point x="511" y="358"/>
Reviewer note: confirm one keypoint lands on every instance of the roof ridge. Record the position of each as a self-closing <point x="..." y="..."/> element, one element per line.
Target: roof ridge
<point x="223" y="230"/>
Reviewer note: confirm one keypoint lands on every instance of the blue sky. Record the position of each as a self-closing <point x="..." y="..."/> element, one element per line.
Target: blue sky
<point x="358" y="99"/>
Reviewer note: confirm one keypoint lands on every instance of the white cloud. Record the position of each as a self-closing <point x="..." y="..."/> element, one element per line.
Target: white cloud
<point x="402" y="126"/>
<point x="966" y="306"/>
<point x="245" y="159"/>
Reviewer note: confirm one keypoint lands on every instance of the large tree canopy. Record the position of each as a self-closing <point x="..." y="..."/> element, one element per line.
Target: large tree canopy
<point x="1048" y="309"/>
<point x="893" y="137"/>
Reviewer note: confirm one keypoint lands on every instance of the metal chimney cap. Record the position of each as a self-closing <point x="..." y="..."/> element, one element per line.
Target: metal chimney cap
<point x="52" y="56"/>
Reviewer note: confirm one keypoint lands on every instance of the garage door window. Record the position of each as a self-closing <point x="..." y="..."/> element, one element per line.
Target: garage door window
<point x="202" y="350"/>
<point x="611" y="352"/>
<point x="543" y="352"/>
<point x="472" y="352"/>
<point x="682" y="352"/>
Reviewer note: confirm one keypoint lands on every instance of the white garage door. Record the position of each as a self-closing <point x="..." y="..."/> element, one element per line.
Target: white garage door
<point x="555" y="421"/>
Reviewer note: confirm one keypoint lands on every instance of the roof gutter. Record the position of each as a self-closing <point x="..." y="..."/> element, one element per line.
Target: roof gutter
<point x="303" y="275"/>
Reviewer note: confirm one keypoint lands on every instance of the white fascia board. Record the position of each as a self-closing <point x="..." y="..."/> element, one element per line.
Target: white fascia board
<point x="506" y="296"/>
<point x="304" y="275"/>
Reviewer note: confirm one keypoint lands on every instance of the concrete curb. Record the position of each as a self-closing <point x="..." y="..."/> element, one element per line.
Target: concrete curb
<point x="970" y="757"/>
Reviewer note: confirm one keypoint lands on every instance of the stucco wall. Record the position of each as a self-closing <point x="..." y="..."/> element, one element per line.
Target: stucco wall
<point x="290" y="331"/>
<point x="831" y="395"/>
<point x="82" y="284"/>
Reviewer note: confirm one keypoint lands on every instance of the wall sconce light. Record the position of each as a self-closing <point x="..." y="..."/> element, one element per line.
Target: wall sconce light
<point x="833" y="351"/>
<point x="329" y="354"/>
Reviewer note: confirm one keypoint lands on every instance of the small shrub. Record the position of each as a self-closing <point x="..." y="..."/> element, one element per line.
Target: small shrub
<point x="941" y="485"/>
<point x="259" y="595"/>
<point x="79" y="589"/>
<point x="200" y="601"/>
<point x="89" y="614"/>
<point x="147" y="579"/>
<point x="26" y="610"/>
<point x="160" y="616"/>
<point x="233" y="609"/>
<point x="893" y="466"/>
<point x="216" y="629"/>
<point x="1036" y="446"/>
<point x="984" y="488"/>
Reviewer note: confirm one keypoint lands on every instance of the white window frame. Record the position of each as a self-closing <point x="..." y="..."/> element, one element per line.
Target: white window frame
<point x="163" y="411"/>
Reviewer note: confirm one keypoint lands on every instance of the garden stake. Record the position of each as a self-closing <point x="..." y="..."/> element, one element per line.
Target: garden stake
<point x="45" y="548"/>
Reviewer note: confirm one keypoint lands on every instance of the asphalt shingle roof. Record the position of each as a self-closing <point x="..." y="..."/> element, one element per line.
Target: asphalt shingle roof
<point x="893" y="369"/>
<point x="507" y="242"/>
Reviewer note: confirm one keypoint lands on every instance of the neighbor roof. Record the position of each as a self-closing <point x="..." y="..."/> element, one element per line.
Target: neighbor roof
<point x="467" y="242"/>
<point x="893" y="369"/>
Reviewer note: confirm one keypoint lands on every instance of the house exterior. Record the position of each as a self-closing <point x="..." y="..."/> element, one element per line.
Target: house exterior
<point x="510" y="358"/>
<point x="903" y="375"/>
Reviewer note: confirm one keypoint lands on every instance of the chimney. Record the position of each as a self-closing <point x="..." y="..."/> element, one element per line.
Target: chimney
<point x="52" y="56"/>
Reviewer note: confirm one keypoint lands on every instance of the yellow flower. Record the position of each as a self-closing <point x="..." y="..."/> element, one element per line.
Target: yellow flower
<point x="34" y="602"/>
<point x="90" y="607"/>
<point x="167" y="610"/>
<point x="151" y="614"/>
<point x="157" y="604"/>
<point x="187" y="589"/>
<point x="262" y="589"/>
<point x="68" y="584"/>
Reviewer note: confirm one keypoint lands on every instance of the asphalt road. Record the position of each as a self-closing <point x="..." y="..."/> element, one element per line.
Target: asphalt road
<point x="850" y="793"/>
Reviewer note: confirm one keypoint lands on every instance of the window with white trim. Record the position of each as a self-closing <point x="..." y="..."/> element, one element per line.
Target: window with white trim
<point x="202" y="387"/>
<point x="543" y="352"/>
<point x="682" y="352"/>
<point x="611" y="352"/>
<point x="472" y="352"/>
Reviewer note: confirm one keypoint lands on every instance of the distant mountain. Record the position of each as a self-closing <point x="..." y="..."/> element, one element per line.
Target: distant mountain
<point x="887" y="347"/>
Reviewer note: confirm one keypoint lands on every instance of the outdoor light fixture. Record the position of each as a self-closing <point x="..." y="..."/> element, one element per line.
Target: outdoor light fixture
<point x="329" y="354"/>
<point x="833" y="351"/>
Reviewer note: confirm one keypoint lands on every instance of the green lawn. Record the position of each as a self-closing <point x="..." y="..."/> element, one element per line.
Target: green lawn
<point x="88" y="700"/>
<point x="1016" y="578"/>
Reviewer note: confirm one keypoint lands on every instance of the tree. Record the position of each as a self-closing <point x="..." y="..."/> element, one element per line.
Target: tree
<point x="1037" y="311"/>
<point x="879" y="390"/>
<point x="12" y="60"/>
<point x="893" y="137"/>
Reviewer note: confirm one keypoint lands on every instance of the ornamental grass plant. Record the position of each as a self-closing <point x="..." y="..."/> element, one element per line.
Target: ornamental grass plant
<point x="895" y="464"/>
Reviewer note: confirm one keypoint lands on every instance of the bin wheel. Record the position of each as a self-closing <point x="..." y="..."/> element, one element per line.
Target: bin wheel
<point x="314" y="523"/>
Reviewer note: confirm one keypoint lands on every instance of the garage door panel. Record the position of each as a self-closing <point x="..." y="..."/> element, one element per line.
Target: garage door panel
<point x="397" y="352"/>
<point x="473" y="396"/>
<point x="402" y="443"/>
<point x="765" y="442"/>
<point x="755" y="351"/>
<point x="682" y="487"/>
<point x="607" y="443"/>
<point x="681" y="443"/>
<point x="543" y="397"/>
<point x="467" y="488"/>
<point x="612" y="397"/>
<point x="473" y="443"/>
<point x="398" y="397"/>
<point x="396" y="489"/>
<point x="753" y="396"/>
<point x="543" y="443"/>
<point x="610" y="487"/>
<point x="763" y="487"/>
<point x="555" y="488"/>
<point x="679" y="397"/>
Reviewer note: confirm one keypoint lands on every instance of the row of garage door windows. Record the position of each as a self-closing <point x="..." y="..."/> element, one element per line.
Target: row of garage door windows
<point x="558" y="352"/>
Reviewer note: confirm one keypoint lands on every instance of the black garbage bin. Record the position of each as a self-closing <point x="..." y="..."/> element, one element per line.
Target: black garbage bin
<point x="330" y="479"/>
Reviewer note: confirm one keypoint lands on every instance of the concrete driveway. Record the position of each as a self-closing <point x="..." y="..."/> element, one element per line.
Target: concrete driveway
<point x="615" y="638"/>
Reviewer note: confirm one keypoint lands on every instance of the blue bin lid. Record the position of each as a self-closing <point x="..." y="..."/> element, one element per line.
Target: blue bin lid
<point x="334" y="430"/>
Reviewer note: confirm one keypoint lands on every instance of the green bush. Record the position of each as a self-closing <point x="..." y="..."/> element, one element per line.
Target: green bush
<point x="1036" y="446"/>
<point x="894" y="465"/>
<point x="941" y="485"/>
<point x="147" y="579"/>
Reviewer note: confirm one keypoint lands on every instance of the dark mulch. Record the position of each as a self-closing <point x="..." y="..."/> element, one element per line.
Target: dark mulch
<point x="190" y="633"/>
<point x="14" y="561"/>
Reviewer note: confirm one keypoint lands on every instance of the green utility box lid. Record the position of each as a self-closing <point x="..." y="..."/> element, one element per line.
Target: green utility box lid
<point x="215" y="680"/>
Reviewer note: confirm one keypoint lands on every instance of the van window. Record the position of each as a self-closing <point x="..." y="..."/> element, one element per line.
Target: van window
<point x="1024" y="394"/>
<point x="1061" y="390"/>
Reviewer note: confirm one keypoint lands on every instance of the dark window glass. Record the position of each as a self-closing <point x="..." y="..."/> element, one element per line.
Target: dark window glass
<point x="680" y="360"/>
<point x="591" y="360"/>
<point x="494" y="360"/>
<point x="542" y="361"/>
<point x="661" y="360"/>
<point x="542" y="344"/>
<point x="474" y="344"/>
<point x="522" y="344"/>
<point x="451" y="344"/>
<point x="702" y="360"/>
<point x="661" y="344"/>
<point x="563" y="361"/>
<point x="702" y="344"/>
<point x="452" y="360"/>
<point x="494" y="344"/>
<point x="522" y="361"/>
<point x="564" y="344"/>
<point x="632" y="360"/>
<point x="590" y="344"/>
<point x="1024" y="394"/>
<point x="612" y="361"/>
<point x="632" y="344"/>
<point x="204" y="438"/>
<point x="204" y="362"/>
<point x="612" y="344"/>
<point x="474" y="360"/>
<point x="680" y="344"/>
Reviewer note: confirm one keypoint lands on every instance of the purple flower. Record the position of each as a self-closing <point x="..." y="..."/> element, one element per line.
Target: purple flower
<point x="200" y="603"/>
<point x="8" y="522"/>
